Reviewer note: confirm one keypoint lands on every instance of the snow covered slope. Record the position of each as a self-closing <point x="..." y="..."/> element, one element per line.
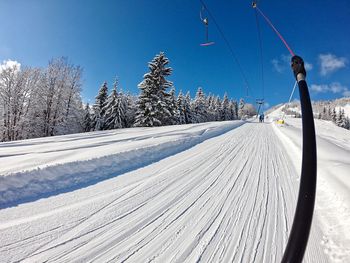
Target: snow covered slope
<point x="333" y="182"/>
<point x="44" y="166"/>
<point x="345" y="108"/>
<point x="214" y="192"/>
<point x="317" y="106"/>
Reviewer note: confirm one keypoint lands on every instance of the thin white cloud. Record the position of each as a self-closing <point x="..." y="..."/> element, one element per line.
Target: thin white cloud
<point x="334" y="88"/>
<point x="337" y="87"/>
<point x="331" y="63"/>
<point x="277" y="65"/>
<point x="286" y="59"/>
<point x="346" y="93"/>
<point x="319" y="88"/>
<point x="308" y="66"/>
<point x="282" y="63"/>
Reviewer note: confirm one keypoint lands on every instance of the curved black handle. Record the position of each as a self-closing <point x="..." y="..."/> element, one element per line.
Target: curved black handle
<point x="299" y="235"/>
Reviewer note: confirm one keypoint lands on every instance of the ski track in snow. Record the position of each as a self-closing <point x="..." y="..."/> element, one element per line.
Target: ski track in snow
<point x="228" y="199"/>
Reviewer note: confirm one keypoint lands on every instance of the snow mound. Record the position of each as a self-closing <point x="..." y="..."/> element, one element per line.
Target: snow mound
<point x="73" y="168"/>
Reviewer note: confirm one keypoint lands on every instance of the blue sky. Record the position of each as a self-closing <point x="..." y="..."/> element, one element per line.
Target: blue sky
<point x="115" y="37"/>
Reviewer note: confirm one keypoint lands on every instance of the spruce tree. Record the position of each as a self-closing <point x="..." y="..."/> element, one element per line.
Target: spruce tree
<point x="109" y="109"/>
<point x="347" y="123"/>
<point x="225" y="112"/>
<point x="99" y="107"/>
<point x="241" y="109"/>
<point x="187" y="109"/>
<point x="130" y="110"/>
<point x="232" y="110"/>
<point x="173" y="108"/>
<point x="341" y="120"/>
<point x="324" y="114"/>
<point x="87" y="118"/>
<point x="211" y="108"/>
<point x="217" y="109"/>
<point x="236" y="109"/>
<point x="199" y="107"/>
<point x="334" y="115"/>
<point x="181" y="108"/>
<point x="115" y="109"/>
<point x="153" y="104"/>
<point x="124" y="103"/>
<point x="329" y="114"/>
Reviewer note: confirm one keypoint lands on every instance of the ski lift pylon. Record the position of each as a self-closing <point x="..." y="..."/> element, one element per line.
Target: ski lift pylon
<point x="259" y="102"/>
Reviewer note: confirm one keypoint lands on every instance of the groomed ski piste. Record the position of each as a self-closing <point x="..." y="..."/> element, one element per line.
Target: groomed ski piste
<point x="210" y="192"/>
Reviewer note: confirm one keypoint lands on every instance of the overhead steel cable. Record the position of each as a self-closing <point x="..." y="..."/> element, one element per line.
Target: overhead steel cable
<point x="274" y="29"/>
<point x="230" y="48"/>
<point x="261" y="54"/>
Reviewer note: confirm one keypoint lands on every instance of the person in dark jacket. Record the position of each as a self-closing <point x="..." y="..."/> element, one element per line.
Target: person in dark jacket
<point x="261" y="118"/>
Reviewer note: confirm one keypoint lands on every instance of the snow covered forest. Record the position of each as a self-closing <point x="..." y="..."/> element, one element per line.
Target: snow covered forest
<point x="40" y="102"/>
<point x="158" y="105"/>
<point x="337" y="111"/>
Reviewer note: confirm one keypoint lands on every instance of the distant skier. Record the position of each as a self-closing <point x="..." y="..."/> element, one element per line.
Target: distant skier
<point x="261" y="118"/>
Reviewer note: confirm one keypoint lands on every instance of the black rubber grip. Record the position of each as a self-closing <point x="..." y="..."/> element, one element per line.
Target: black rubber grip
<point x="299" y="235"/>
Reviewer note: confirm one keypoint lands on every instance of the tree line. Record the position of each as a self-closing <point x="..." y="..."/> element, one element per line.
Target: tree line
<point x="324" y="110"/>
<point x="158" y="105"/>
<point x="337" y="117"/>
<point x="40" y="102"/>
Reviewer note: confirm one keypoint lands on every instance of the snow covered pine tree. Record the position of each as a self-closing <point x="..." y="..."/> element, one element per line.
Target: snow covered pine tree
<point x="87" y="118"/>
<point x="181" y="108"/>
<point x="98" y="121"/>
<point x="199" y="107"/>
<point x="187" y="109"/>
<point x="241" y="109"/>
<point x="154" y="102"/>
<point x="225" y="111"/>
<point x="114" y="109"/>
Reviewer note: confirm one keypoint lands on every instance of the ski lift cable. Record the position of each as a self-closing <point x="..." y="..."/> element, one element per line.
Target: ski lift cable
<point x="261" y="53"/>
<point x="229" y="47"/>
<point x="255" y="6"/>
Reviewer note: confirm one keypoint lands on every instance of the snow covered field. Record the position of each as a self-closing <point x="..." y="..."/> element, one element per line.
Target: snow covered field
<point x="213" y="192"/>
